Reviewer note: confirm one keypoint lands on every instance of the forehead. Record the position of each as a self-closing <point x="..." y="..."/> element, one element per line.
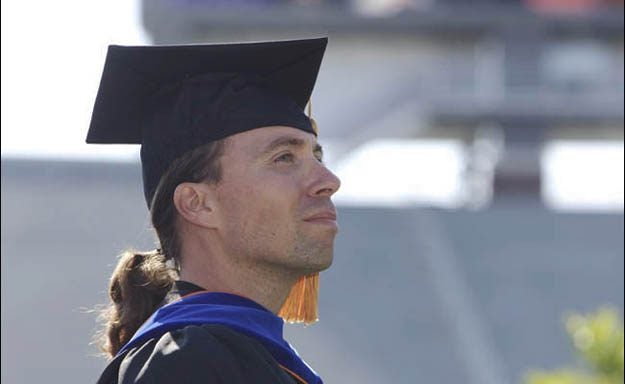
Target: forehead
<point x="256" y="141"/>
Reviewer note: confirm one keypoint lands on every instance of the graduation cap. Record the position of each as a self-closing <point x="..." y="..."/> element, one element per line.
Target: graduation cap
<point x="172" y="99"/>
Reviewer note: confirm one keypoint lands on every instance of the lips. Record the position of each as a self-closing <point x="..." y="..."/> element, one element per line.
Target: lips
<point x="325" y="215"/>
<point x="324" y="219"/>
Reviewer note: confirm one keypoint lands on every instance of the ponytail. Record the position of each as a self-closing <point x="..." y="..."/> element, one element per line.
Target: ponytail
<point x="137" y="288"/>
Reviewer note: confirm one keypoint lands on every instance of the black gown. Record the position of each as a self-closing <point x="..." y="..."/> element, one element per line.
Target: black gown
<point x="206" y="354"/>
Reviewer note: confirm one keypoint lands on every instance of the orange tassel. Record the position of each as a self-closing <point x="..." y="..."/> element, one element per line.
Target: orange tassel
<point x="301" y="304"/>
<point x="314" y="126"/>
<point x="313" y="123"/>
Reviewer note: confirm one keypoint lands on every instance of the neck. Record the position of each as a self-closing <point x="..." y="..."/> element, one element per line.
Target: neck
<point x="267" y="285"/>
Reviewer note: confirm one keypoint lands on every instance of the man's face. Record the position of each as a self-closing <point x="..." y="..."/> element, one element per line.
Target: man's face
<point x="274" y="200"/>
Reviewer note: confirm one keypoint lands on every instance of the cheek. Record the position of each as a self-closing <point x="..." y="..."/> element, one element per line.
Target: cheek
<point x="260" y="207"/>
<point x="270" y="211"/>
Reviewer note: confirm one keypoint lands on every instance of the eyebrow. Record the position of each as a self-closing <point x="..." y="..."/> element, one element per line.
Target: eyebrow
<point x="287" y="141"/>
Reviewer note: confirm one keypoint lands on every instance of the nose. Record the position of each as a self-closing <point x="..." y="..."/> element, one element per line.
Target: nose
<point x="325" y="182"/>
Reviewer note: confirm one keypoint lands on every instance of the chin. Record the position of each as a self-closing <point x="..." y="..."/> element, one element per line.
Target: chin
<point x="321" y="263"/>
<point x="313" y="254"/>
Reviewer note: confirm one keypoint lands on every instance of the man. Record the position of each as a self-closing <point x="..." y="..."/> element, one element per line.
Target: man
<point x="240" y="200"/>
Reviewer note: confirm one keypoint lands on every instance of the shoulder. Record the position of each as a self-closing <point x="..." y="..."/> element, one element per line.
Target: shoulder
<point x="201" y="354"/>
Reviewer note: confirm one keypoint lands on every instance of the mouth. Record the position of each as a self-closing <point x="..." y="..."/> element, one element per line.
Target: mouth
<point x="323" y="218"/>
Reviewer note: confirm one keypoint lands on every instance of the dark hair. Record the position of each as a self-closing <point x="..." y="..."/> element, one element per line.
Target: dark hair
<point x="141" y="280"/>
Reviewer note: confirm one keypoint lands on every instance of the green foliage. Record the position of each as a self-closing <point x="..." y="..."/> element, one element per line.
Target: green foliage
<point x="598" y="340"/>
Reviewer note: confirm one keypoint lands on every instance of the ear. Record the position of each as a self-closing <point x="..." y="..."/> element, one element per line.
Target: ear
<point x="195" y="202"/>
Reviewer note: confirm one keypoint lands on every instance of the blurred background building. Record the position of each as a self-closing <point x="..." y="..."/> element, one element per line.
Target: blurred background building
<point x="480" y="146"/>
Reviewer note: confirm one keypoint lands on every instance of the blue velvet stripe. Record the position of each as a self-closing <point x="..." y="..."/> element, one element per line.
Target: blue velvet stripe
<point x="235" y="312"/>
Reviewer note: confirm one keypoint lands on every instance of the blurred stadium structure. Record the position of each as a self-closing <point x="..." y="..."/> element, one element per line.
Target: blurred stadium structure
<point x="417" y="293"/>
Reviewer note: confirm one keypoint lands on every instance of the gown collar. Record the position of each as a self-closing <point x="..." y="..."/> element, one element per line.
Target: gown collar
<point x="198" y="307"/>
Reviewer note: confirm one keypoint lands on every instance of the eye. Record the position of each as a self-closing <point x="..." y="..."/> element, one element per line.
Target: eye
<point x="319" y="157"/>
<point x="286" y="157"/>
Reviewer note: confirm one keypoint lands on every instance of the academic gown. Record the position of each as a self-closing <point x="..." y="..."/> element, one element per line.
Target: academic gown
<point x="207" y="353"/>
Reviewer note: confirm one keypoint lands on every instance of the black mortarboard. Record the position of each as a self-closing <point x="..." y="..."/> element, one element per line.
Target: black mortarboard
<point x="171" y="99"/>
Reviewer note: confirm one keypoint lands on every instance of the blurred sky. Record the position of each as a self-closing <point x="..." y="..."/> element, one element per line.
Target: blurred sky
<point x="52" y="58"/>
